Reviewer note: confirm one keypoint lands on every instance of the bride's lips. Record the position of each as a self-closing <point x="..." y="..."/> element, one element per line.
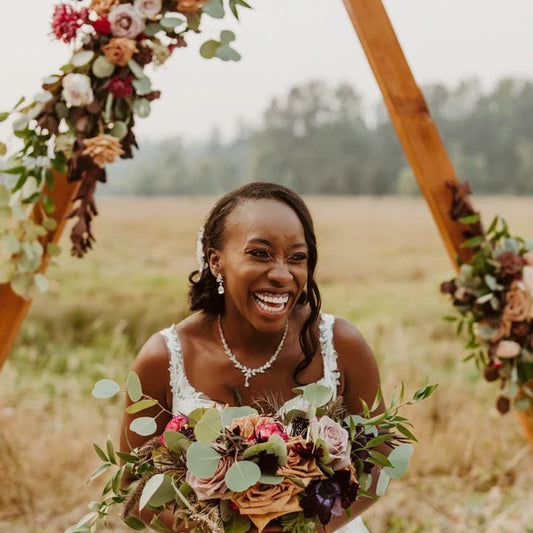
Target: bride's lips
<point x="271" y="302"/>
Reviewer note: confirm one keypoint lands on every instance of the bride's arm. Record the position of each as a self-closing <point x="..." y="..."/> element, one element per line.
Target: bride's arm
<point x="359" y="380"/>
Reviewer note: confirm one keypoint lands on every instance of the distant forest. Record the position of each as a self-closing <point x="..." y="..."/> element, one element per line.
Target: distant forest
<point x="320" y="139"/>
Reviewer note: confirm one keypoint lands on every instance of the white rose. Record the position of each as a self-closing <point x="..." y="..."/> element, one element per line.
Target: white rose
<point x="148" y="8"/>
<point x="77" y="89"/>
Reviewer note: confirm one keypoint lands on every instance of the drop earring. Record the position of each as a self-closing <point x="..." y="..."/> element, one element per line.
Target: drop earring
<point x="220" y="281"/>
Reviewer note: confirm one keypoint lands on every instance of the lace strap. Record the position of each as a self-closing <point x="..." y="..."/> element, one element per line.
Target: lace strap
<point x="329" y="355"/>
<point x="175" y="358"/>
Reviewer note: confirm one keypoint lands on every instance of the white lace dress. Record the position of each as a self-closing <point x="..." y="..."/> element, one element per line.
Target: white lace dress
<point x="186" y="398"/>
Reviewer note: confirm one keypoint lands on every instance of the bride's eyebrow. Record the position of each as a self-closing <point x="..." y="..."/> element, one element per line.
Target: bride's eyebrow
<point x="266" y="242"/>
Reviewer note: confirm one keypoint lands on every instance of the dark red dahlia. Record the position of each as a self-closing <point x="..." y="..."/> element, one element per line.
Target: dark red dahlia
<point x="308" y="451"/>
<point x="66" y="21"/>
<point x="120" y="87"/>
<point x="511" y="263"/>
<point x="102" y="26"/>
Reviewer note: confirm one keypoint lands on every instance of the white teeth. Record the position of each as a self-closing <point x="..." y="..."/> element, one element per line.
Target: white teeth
<point x="280" y="299"/>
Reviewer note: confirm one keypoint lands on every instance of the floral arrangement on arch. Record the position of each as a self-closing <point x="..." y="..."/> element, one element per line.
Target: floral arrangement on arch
<point x="85" y="116"/>
<point x="493" y="299"/>
<point x="226" y="469"/>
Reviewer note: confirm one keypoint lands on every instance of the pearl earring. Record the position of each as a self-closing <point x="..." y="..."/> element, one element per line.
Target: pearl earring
<point x="220" y="281"/>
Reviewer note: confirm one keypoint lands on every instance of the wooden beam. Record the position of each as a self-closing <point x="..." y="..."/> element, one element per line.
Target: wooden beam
<point x="410" y="116"/>
<point x="13" y="308"/>
<point x="416" y="130"/>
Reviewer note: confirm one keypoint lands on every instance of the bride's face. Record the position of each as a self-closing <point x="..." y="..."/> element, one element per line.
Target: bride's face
<point x="264" y="263"/>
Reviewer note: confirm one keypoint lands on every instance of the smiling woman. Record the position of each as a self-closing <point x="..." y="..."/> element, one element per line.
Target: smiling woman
<point x="258" y="329"/>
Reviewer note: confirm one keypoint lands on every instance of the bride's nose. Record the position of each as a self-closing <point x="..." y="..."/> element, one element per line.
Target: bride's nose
<point x="279" y="273"/>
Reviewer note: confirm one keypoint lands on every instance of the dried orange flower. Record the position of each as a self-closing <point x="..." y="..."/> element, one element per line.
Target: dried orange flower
<point x="103" y="7"/>
<point x="103" y="149"/>
<point x="119" y="50"/>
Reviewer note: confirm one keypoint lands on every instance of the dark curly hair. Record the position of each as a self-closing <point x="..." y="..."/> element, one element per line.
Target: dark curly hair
<point x="203" y="293"/>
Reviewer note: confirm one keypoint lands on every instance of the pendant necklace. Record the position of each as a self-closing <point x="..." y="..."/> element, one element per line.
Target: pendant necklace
<point x="250" y="372"/>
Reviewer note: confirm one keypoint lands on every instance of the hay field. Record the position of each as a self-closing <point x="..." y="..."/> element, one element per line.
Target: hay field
<point x="381" y="262"/>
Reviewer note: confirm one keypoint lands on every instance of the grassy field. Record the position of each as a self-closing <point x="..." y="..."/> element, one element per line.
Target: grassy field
<point x="381" y="262"/>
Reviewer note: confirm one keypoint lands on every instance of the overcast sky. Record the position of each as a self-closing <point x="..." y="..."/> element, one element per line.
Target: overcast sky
<point x="283" y="43"/>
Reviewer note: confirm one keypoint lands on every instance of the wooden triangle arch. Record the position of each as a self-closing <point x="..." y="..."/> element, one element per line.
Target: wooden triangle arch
<point x="414" y="126"/>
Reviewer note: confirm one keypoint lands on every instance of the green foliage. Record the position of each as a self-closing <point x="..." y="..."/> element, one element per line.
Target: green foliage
<point x="242" y="475"/>
<point x="202" y="459"/>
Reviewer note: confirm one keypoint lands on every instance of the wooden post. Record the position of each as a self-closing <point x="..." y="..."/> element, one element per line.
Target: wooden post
<point x="416" y="130"/>
<point x="13" y="308"/>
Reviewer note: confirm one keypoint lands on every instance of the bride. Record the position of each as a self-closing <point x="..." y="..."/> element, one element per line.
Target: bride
<point x="257" y="326"/>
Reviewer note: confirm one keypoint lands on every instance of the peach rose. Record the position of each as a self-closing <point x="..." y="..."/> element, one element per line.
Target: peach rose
<point x="213" y="487"/>
<point x="527" y="278"/>
<point x="298" y="466"/>
<point x="336" y="439"/>
<point x="119" y="50"/>
<point x="518" y="302"/>
<point x="102" y="149"/>
<point x="103" y="7"/>
<point x="189" y="6"/>
<point x="262" y="503"/>
<point x="507" y="349"/>
<point x="247" y="425"/>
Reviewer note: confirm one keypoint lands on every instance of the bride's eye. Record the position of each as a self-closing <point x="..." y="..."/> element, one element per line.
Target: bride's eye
<point x="260" y="253"/>
<point x="298" y="258"/>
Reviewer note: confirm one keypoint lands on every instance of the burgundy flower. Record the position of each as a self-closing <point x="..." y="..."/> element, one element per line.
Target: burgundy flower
<point x="120" y="87"/>
<point x="503" y="404"/>
<point x="326" y="497"/>
<point x="102" y="26"/>
<point x="66" y="21"/>
<point x="511" y="263"/>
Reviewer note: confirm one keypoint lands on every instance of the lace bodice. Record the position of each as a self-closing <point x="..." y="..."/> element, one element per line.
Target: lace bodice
<point x="185" y="397"/>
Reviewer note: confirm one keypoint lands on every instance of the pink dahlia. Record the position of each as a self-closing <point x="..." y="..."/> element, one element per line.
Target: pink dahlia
<point x="120" y="87"/>
<point x="66" y="21"/>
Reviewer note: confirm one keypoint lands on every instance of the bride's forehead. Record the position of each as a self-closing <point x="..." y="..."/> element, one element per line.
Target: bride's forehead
<point x="262" y="216"/>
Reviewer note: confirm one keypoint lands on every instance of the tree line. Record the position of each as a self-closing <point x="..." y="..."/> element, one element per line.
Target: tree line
<point x="320" y="139"/>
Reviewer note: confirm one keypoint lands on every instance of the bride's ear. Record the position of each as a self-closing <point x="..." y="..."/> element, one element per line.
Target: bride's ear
<point x="214" y="260"/>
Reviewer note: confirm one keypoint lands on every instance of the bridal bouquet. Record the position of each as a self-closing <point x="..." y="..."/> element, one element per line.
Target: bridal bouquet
<point x="227" y="469"/>
<point x="493" y="297"/>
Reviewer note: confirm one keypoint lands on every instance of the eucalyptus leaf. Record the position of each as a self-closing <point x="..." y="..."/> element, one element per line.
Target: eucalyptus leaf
<point x="43" y="97"/>
<point x="169" y="23"/>
<point x="11" y="244"/>
<point x="134" y="387"/>
<point x="142" y="86"/>
<point x="4" y="116"/>
<point x="209" y="427"/>
<point x="102" y="68"/>
<point x="152" y="29"/>
<point x="80" y="59"/>
<point x="141" y="107"/>
<point x="226" y="53"/>
<point x="229" y="414"/>
<point x="137" y="70"/>
<point x="317" y="395"/>
<point x="242" y="475"/>
<point x="209" y="49"/>
<point x="256" y="449"/>
<point x="143" y="425"/>
<point x="134" y="523"/>
<point x="157" y="491"/>
<point x="119" y="129"/>
<point x="383" y="483"/>
<point x="270" y="480"/>
<point x="202" y="460"/>
<point x="214" y="9"/>
<point x="140" y="406"/>
<point x="176" y="442"/>
<point x="227" y="36"/>
<point x="21" y="284"/>
<point x="399" y="459"/>
<point x="105" y="388"/>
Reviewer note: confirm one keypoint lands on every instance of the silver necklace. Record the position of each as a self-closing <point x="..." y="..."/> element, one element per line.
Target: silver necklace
<point x="250" y="372"/>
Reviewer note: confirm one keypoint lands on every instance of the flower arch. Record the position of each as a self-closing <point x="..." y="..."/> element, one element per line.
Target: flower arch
<point x="85" y="118"/>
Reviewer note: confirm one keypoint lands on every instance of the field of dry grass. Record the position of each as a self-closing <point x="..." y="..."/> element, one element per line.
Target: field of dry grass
<point x="381" y="262"/>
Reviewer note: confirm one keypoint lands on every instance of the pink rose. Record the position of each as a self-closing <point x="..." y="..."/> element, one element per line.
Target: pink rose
<point x="213" y="487"/>
<point x="126" y="21"/>
<point x="263" y="431"/>
<point x="336" y="440"/>
<point x="507" y="349"/>
<point x="175" y="424"/>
